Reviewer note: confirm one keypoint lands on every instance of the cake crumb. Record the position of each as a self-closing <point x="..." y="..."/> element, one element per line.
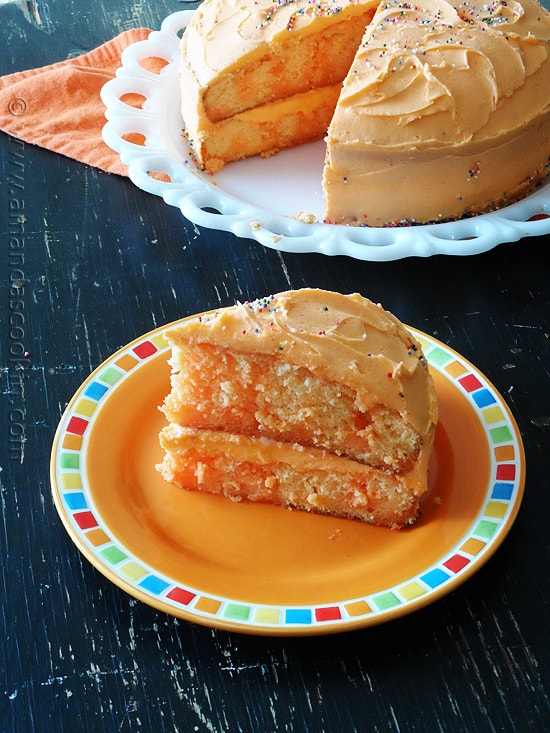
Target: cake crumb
<point x="305" y="217"/>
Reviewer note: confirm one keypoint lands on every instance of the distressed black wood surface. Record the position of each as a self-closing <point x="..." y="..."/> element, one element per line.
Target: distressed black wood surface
<point x="104" y="263"/>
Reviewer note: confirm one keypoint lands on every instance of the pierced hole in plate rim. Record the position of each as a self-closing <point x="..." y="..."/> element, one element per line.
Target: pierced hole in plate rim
<point x="133" y="99"/>
<point x="539" y="217"/>
<point x="153" y="64"/>
<point x="466" y="230"/>
<point x="465" y="238"/>
<point x="211" y="210"/>
<point x="135" y="138"/>
<point x="353" y="234"/>
<point x="160" y="176"/>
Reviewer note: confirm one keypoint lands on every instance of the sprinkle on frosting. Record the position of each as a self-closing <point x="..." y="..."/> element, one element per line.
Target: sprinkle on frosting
<point x="474" y="171"/>
<point x="411" y="87"/>
<point x="317" y="9"/>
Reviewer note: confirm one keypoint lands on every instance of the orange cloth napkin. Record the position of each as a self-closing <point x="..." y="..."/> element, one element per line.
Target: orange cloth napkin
<point x="58" y="106"/>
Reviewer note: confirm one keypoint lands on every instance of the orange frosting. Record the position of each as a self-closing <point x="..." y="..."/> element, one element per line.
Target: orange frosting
<point x="446" y="110"/>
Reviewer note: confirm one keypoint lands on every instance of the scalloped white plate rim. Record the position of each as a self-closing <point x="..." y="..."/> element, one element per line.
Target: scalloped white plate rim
<point x="256" y="198"/>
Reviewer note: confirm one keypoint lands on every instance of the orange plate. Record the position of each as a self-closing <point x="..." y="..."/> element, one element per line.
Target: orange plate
<point x="267" y="570"/>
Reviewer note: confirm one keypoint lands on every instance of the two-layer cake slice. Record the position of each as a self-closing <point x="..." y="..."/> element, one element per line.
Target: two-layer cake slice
<point x="308" y="399"/>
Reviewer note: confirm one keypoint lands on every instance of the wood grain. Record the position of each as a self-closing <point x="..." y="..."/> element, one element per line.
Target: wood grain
<point x="103" y="263"/>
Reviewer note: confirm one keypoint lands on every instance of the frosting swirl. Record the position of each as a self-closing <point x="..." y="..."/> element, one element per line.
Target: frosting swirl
<point x="423" y="65"/>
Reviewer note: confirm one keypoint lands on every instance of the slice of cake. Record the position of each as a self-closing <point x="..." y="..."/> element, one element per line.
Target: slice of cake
<point x="444" y="112"/>
<point x="307" y="399"/>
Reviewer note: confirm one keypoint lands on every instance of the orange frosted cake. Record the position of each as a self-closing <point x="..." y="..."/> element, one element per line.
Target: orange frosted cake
<point x="307" y="399"/>
<point x="259" y="76"/>
<point x="444" y="109"/>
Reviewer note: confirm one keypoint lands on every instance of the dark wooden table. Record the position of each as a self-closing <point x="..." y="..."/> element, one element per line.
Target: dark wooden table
<point x="105" y="262"/>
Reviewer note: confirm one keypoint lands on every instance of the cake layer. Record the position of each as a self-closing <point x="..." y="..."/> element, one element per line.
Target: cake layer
<point x="262" y="394"/>
<point x="345" y="339"/>
<point x="232" y="38"/>
<point x="265" y="130"/>
<point x="279" y="72"/>
<point x="257" y="469"/>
